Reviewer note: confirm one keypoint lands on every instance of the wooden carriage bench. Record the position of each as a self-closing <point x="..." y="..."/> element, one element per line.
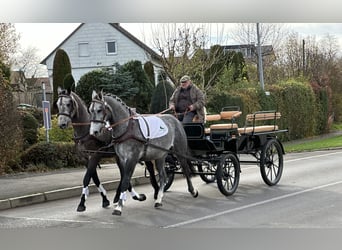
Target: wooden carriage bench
<point x="252" y="124"/>
<point x="224" y="115"/>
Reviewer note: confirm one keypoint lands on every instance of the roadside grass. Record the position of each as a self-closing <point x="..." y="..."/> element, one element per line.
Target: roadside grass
<point x="316" y="143"/>
<point x="312" y="145"/>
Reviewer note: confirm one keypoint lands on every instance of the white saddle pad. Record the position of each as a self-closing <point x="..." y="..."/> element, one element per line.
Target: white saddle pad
<point x="152" y="126"/>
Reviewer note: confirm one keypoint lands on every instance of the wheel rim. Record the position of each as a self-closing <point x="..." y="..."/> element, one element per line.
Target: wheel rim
<point x="272" y="163"/>
<point x="228" y="176"/>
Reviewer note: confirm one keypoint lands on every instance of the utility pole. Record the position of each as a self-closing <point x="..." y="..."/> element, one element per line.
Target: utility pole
<point x="261" y="73"/>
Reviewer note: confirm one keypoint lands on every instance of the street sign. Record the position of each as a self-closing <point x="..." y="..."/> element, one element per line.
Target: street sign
<point x="46" y="114"/>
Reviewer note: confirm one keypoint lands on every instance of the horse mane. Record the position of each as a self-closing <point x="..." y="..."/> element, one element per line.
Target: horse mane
<point x="118" y="99"/>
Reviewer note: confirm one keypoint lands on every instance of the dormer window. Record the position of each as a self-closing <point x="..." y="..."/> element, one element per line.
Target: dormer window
<point x="111" y="47"/>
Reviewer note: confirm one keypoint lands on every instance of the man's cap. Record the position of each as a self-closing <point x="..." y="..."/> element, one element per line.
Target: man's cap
<point x="184" y="78"/>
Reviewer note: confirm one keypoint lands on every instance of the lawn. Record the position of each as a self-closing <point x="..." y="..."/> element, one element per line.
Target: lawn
<point x="314" y="144"/>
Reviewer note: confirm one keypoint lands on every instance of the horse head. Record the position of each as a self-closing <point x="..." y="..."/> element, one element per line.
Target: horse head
<point x="100" y="113"/>
<point x="67" y="107"/>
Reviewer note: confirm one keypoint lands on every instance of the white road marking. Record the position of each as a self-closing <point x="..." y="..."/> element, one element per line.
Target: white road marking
<point x="251" y="205"/>
<point x="314" y="156"/>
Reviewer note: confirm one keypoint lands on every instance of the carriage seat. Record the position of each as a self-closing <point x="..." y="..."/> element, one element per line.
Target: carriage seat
<point x="253" y="122"/>
<point x="256" y="129"/>
<point x="226" y="115"/>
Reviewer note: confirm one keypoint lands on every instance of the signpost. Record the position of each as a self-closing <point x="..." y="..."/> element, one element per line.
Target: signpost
<point x="46" y="114"/>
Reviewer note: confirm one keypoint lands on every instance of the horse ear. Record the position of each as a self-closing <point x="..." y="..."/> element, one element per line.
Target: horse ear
<point x="93" y="95"/>
<point x="59" y="90"/>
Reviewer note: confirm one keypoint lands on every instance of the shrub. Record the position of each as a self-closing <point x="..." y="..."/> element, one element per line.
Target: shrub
<point x="52" y="155"/>
<point x="30" y="128"/>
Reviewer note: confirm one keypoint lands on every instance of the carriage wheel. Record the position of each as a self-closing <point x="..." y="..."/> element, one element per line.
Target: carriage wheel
<point x="228" y="174"/>
<point x="271" y="162"/>
<point x="210" y="169"/>
<point x="170" y="167"/>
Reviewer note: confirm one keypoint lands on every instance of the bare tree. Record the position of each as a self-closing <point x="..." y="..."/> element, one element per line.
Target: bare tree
<point x="27" y="61"/>
<point x="185" y="49"/>
<point x="270" y="33"/>
<point x="8" y="41"/>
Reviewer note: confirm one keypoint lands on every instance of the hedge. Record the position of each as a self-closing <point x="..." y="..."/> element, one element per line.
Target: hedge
<point x="304" y="113"/>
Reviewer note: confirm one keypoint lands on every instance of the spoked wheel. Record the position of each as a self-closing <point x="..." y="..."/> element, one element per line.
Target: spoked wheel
<point x="271" y="162"/>
<point x="207" y="167"/>
<point x="228" y="174"/>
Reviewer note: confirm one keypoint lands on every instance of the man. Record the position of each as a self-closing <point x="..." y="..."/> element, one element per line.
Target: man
<point x="188" y="100"/>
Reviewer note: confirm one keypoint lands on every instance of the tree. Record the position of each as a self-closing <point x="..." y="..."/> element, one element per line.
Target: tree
<point x="142" y="99"/>
<point x="28" y="62"/>
<point x="8" y="41"/>
<point x="270" y="34"/>
<point x="61" y="68"/>
<point x="161" y="96"/>
<point x="119" y="83"/>
<point x="10" y="123"/>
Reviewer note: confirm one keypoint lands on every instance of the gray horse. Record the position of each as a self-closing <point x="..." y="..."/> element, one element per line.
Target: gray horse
<point x="72" y="110"/>
<point x="132" y="146"/>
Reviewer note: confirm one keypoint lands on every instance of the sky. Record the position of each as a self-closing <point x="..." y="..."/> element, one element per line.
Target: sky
<point x="45" y="37"/>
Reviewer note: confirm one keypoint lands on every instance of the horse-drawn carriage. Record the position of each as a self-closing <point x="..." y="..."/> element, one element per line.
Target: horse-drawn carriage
<point x="216" y="148"/>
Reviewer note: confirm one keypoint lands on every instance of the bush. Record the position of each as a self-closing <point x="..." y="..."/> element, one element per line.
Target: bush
<point x="30" y="128"/>
<point x="11" y="128"/>
<point x="302" y="113"/>
<point x="51" y="155"/>
<point x="55" y="133"/>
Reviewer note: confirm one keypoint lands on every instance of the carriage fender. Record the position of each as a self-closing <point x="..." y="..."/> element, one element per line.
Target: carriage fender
<point x="281" y="146"/>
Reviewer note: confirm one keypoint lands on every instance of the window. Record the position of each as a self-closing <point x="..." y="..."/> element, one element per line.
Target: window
<point x="83" y="49"/>
<point x="111" y="47"/>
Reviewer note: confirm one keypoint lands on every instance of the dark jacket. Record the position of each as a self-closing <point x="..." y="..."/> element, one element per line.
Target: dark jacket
<point x="197" y="100"/>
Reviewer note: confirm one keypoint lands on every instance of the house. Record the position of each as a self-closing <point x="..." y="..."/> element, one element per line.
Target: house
<point x="249" y="51"/>
<point x="99" y="45"/>
<point x="29" y="90"/>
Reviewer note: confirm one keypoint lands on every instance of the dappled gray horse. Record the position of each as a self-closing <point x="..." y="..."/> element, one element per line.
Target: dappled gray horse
<point x="72" y="110"/>
<point x="133" y="140"/>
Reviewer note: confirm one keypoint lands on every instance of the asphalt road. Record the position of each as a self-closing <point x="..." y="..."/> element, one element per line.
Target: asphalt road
<point x="307" y="196"/>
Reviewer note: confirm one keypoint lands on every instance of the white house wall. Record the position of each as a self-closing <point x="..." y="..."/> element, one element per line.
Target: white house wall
<point x="96" y="35"/>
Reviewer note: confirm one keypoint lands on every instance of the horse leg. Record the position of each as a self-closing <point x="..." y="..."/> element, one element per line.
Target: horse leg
<point x="126" y="174"/>
<point x="162" y="180"/>
<point x="101" y="189"/>
<point x="187" y="166"/>
<point x="150" y="169"/>
<point x="85" y="192"/>
<point x="136" y="196"/>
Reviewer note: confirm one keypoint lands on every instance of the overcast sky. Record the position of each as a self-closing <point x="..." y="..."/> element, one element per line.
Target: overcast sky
<point x="47" y="36"/>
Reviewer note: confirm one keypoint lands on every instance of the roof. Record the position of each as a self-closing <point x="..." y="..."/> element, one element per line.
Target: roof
<point x="118" y="27"/>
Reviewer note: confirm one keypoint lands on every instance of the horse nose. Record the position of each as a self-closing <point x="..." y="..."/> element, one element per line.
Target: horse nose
<point x="63" y="125"/>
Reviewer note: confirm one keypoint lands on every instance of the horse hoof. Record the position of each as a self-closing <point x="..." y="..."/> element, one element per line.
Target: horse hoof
<point x="141" y="197"/>
<point x="81" y="208"/>
<point x="158" y="205"/>
<point x="116" y="212"/>
<point x="195" y="194"/>
<point x="105" y="203"/>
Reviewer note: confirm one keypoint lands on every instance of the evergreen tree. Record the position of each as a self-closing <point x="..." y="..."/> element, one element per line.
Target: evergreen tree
<point x="141" y="81"/>
<point x="161" y="97"/>
<point x="61" y="68"/>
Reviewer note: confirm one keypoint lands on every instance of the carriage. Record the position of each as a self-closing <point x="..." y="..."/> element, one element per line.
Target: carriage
<point x="216" y="149"/>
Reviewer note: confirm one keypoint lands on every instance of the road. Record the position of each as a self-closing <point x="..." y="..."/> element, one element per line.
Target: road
<point x="307" y="196"/>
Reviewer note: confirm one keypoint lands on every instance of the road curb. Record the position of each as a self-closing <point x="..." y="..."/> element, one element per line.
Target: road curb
<point x="63" y="193"/>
